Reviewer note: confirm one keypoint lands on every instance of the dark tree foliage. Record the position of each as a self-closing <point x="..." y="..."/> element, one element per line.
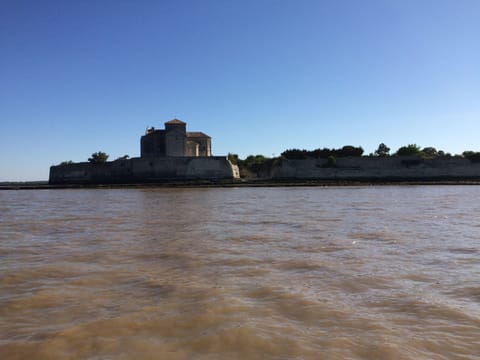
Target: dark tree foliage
<point x="331" y="162"/>
<point x="322" y="153"/>
<point x="67" y="162"/>
<point x="473" y="156"/>
<point x="429" y="152"/>
<point x="258" y="164"/>
<point x="325" y="153"/>
<point x="382" y="150"/>
<point x="295" y="154"/>
<point x="409" y="150"/>
<point x="98" y="158"/>
<point x="349" y="150"/>
<point x="233" y="158"/>
<point x="254" y="162"/>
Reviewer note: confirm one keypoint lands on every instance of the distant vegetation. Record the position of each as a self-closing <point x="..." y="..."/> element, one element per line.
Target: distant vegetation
<point x="473" y="156"/>
<point x="382" y="150"/>
<point x="256" y="164"/>
<point x="98" y="158"/>
<point x="325" y="153"/>
<point x="259" y="164"/>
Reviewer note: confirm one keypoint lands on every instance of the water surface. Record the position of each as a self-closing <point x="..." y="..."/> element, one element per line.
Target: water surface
<point x="250" y="273"/>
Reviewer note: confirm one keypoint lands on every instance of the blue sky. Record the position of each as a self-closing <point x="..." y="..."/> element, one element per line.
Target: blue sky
<point x="259" y="76"/>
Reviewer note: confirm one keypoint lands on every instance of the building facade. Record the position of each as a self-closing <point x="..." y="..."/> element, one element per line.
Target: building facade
<point x="175" y="141"/>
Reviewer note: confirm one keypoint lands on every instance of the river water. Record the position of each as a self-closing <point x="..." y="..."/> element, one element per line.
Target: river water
<point x="388" y="272"/>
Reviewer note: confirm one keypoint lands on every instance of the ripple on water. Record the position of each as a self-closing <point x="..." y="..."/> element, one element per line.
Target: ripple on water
<point x="307" y="273"/>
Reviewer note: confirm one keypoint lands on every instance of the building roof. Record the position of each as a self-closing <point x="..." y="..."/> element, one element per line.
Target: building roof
<point x="197" y="134"/>
<point x="175" y="121"/>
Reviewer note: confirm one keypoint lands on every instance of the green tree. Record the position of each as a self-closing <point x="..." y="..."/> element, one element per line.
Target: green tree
<point x="294" y="154"/>
<point x="257" y="164"/>
<point x="382" y="150"/>
<point x="409" y="150"/>
<point x="473" y="156"/>
<point x="322" y="153"/>
<point x="233" y="158"/>
<point x="254" y="161"/>
<point x="331" y="162"/>
<point x="349" y="150"/>
<point x="429" y="152"/>
<point x="98" y="158"/>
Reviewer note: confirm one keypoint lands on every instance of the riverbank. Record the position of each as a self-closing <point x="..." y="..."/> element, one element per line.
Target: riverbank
<point x="44" y="185"/>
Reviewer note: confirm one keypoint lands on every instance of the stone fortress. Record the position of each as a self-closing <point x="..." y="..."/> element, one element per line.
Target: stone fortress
<point x="174" y="154"/>
<point x="170" y="154"/>
<point x="175" y="141"/>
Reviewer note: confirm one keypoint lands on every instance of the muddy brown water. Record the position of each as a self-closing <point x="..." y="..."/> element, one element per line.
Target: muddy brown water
<point x="387" y="272"/>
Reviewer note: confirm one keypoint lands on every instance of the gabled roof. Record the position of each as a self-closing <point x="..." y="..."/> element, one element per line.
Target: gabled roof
<point x="197" y="134"/>
<point x="176" y="121"/>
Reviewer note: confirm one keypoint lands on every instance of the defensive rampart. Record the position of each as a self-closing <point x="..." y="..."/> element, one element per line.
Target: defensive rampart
<point x="144" y="170"/>
<point x="377" y="168"/>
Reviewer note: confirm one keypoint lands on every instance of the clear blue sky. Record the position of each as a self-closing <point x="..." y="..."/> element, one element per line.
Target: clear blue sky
<point x="259" y="76"/>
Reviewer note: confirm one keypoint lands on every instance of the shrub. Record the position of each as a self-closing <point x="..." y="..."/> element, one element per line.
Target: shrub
<point x="409" y="150"/>
<point x="429" y="152"/>
<point x="473" y="156"/>
<point x="295" y="154"/>
<point x="98" y="158"/>
<point x="349" y="150"/>
<point x="322" y="153"/>
<point x="382" y="150"/>
<point x="258" y="164"/>
<point x="331" y="162"/>
<point x="233" y="158"/>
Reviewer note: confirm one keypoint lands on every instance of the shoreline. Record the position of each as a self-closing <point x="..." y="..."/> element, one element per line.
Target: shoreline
<point x="44" y="185"/>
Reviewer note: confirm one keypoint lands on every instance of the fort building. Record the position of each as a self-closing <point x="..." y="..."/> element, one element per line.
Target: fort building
<point x="170" y="154"/>
<point x="174" y="140"/>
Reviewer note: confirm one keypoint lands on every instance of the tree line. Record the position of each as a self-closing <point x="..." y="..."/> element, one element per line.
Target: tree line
<point x="258" y="162"/>
<point x="98" y="157"/>
<point x="382" y="150"/>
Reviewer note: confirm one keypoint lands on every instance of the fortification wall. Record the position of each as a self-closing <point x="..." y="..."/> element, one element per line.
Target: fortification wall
<point x="143" y="170"/>
<point x="378" y="168"/>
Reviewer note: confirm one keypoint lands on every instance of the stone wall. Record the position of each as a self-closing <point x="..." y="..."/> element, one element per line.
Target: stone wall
<point x="378" y="168"/>
<point x="143" y="170"/>
<point x="175" y="143"/>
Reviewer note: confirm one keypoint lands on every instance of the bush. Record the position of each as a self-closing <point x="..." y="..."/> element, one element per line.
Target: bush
<point x="322" y="153"/>
<point x="295" y="154"/>
<point x="233" y="158"/>
<point x="473" y="156"/>
<point x="331" y="162"/>
<point x="325" y="153"/>
<point x="349" y="150"/>
<point x="258" y="164"/>
<point x="409" y="150"/>
<point x="98" y="158"/>
<point x="382" y="150"/>
<point x="254" y="161"/>
<point x="429" y="152"/>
